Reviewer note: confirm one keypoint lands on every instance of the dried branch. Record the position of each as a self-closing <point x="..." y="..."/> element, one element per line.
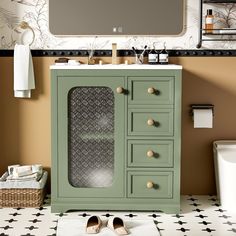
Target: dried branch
<point x="226" y="17"/>
<point x="38" y="20"/>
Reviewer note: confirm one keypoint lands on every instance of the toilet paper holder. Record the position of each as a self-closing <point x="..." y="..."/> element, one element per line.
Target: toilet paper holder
<point x="201" y="106"/>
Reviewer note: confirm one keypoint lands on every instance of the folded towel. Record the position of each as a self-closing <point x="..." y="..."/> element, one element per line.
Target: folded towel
<point x="23" y="71"/>
<point x="3" y="178"/>
<point x="23" y="184"/>
<point x="11" y="169"/>
<point x="20" y="171"/>
<point x="37" y="169"/>
<point x="33" y="177"/>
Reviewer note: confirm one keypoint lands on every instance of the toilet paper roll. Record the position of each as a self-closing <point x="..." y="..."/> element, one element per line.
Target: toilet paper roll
<point x="203" y="118"/>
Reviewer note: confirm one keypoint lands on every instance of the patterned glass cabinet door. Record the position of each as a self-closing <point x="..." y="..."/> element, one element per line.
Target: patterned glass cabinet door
<point x="90" y="137"/>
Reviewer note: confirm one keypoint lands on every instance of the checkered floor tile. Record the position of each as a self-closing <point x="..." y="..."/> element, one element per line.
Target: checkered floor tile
<point x="199" y="216"/>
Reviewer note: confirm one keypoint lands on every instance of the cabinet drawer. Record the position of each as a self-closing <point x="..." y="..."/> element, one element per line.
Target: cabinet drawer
<point x="150" y="122"/>
<point x="150" y="184"/>
<point x="150" y="153"/>
<point x="151" y="90"/>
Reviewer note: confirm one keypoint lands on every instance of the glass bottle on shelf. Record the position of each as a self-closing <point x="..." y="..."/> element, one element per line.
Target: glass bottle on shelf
<point x="209" y="21"/>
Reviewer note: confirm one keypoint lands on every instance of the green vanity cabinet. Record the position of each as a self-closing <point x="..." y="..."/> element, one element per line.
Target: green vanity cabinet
<point x="116" y="136"/>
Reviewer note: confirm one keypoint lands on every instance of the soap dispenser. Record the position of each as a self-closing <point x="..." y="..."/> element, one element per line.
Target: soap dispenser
<point x="153" y="56"/>
<point x="163" y="56"/>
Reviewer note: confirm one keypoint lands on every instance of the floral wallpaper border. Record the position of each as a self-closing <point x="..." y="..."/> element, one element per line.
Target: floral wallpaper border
<point x="35" y="12"/>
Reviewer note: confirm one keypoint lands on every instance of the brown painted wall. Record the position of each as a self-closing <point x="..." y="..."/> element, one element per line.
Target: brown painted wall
<point x="25" y="123"/>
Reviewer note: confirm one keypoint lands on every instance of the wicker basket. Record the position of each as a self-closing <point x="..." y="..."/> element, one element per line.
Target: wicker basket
<point x="21" y="197"/>
<point x="22" y="194"/>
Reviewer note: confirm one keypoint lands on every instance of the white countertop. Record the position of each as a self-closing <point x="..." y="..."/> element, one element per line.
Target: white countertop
<point x="118" y="67"/>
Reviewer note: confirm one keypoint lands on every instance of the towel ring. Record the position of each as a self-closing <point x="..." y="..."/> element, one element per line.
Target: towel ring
<point x="25" y="25"/>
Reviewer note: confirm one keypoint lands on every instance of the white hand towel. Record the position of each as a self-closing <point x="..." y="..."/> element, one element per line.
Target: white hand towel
<point x="11" y="169"/>
<point x="32" y="177"/>
<point x="37" y="169"/>
<point x="22" y="171"/>
<point x="23" y="72"/>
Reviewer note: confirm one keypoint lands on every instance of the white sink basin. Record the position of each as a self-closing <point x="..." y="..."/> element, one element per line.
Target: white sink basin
<point x="120" y="66"/>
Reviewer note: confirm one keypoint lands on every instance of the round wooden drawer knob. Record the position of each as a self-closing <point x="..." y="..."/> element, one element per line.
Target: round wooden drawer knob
<point x="150" y="153"/>
<point x="150" y="122"/>
<point x="120" y="90"/>
<point x="151" y="90"/>
<point x="149" y="184"/>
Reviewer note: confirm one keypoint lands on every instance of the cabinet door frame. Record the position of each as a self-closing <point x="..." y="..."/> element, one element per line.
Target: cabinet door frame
<point x="63" y="188"/>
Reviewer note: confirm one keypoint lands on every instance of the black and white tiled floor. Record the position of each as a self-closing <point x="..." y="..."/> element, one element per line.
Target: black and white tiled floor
<point x="200" y="215"/>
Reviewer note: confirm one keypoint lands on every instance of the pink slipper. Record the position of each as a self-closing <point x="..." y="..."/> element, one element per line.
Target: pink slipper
<point x="93" y="225"/>
<point x="117" y="225"/>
